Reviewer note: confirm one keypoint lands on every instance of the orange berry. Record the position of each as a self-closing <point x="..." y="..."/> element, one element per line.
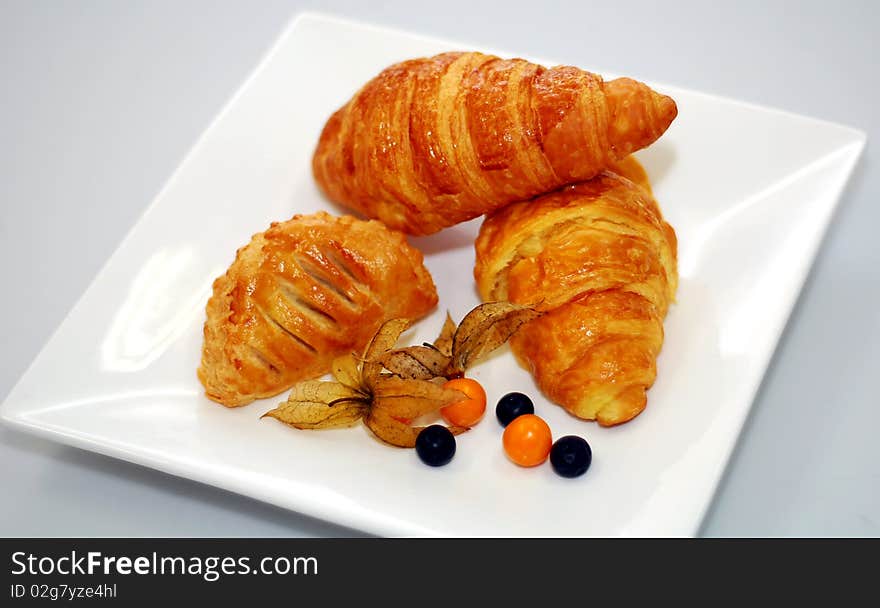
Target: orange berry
<point x="468" y="411"/>
<point x="527" y="440"/>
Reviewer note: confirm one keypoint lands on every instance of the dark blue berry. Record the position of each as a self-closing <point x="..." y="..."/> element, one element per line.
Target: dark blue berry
<point x="435" y="445"/>
<point x="571" y="456"/>
<point x="512" y="405"/>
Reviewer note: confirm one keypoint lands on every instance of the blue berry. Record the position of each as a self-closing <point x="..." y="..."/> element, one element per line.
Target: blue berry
<point x="511" y="406"/>
<point x="435" y="445"/>
<point x="571" y="456"/>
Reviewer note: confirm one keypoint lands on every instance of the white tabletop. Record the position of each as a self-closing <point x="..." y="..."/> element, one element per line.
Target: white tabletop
<point x="101" y="100"/>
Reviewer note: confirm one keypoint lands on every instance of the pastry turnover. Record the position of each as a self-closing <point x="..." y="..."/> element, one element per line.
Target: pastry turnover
<point x="302" y="293"/>
<point x="601" y="261"/>
<point x="432" y="142"/>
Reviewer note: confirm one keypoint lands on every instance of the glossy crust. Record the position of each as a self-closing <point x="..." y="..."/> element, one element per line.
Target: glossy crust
<point x="302" y="293"/>
<point x="632" y="169"/>
<point x="600" y="259"/>
<point x="432" y="142"/>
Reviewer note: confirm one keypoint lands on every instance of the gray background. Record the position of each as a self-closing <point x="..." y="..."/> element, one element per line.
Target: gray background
<point x="101" y="100"/>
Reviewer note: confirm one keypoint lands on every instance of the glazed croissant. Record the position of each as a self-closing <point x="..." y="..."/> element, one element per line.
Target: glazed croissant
<point x="601" y="261"/>
<point x="432" y="142"/>
<point x="302" y="293"/>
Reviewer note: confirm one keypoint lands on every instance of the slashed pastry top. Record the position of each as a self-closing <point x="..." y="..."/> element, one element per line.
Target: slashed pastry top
<point x="302" y="293"/>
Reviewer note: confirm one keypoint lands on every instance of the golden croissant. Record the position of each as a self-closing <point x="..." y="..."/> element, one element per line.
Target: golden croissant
<point x="601" y="261"/>
<point x="432" y="142"/>
<point x="302" y="293"/>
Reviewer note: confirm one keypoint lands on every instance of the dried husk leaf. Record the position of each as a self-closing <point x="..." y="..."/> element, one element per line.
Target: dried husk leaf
<point x="328" y="393"/>
<point x="407" y="398"/>
<point x="415" y="362"/>
<point x="395" y="432"/>
<point x="347" y="371"/>
<point x="384" y="340"/>
<point x="443" y="343"/>
<point x="314" y="415"/>
<point x="484" y="329"/>
<point x="477" y="317"/>
<point x="362" y="391"/>
<point x="390" y="430"/>
<point x="320" y="405"/>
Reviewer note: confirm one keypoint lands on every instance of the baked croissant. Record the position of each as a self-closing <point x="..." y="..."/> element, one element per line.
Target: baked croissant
<point x="432" y="142"/>
<point x="302" y="293"/>
<point x="601" y="261"/>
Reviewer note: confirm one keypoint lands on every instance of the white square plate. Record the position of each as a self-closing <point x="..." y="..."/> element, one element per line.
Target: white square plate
<point x="749" y="191"/>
